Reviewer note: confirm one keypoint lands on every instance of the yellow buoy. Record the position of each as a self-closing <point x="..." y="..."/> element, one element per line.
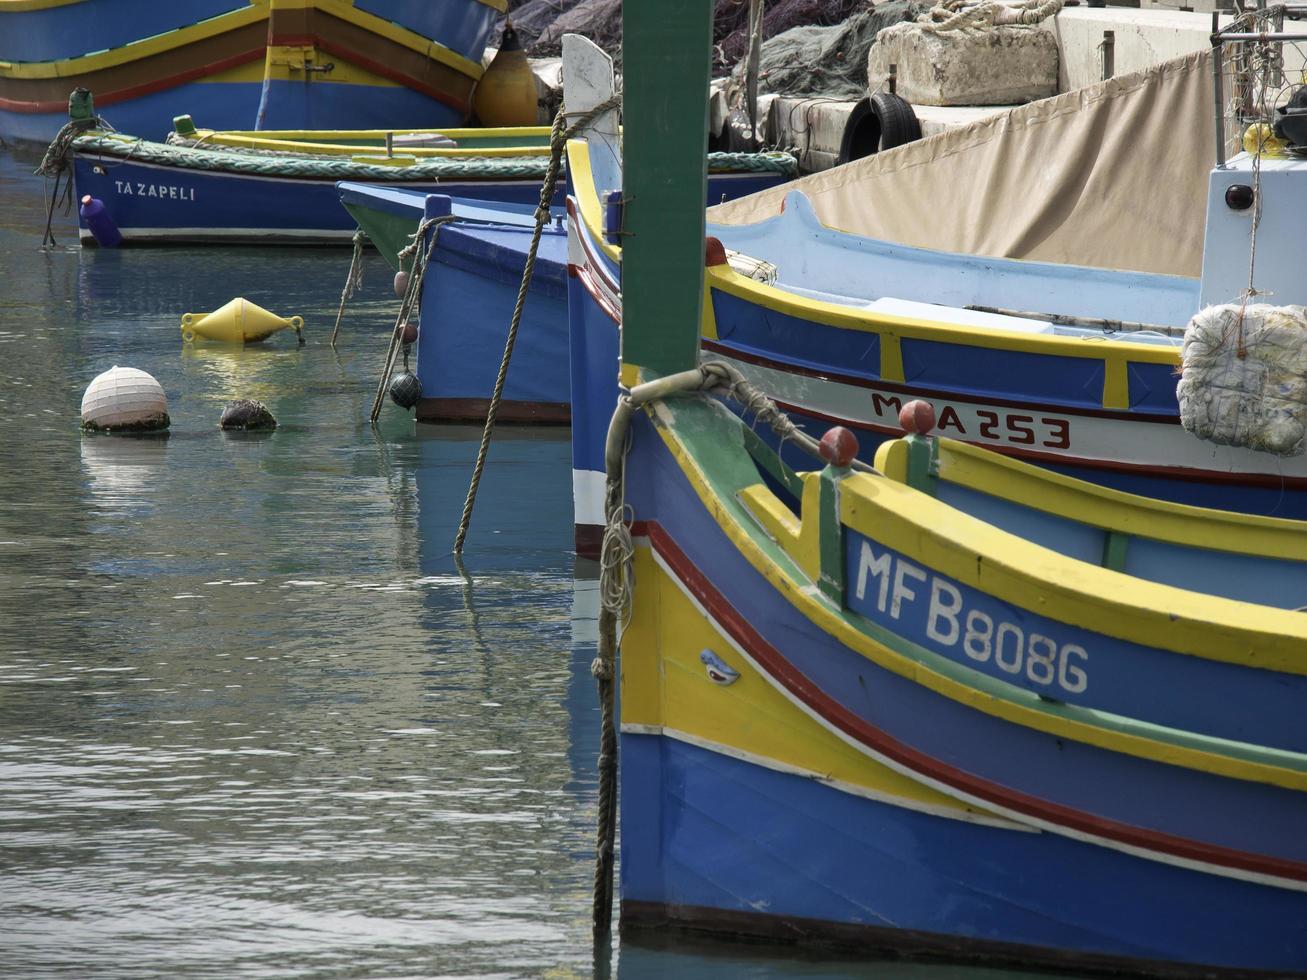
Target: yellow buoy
<point x="506" y="94"/>
<point x="238" y="322"/>
<point x="1260" y="136"/>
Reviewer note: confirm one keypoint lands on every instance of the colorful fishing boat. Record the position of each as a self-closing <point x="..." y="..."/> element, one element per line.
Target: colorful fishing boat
<point x="471" y="286"/>
<point x="282" y="189"/>
<point x="956" y="705"/>
<point x="260" y="188"/>
<point x="1067" y="366"/>
<point x="266" y="64"/>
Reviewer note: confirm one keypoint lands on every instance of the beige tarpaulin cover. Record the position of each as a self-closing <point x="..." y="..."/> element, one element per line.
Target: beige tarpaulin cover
<point x="1113" y="176"/>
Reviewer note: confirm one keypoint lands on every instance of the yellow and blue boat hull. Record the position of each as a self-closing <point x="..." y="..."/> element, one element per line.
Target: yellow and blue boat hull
<point x="263" y="64"/>
<point x="793" y="768"/>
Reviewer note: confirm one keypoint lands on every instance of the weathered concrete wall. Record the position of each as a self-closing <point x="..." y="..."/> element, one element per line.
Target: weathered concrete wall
<point x="995" y="66"/>
<point x="1142" y="38"/>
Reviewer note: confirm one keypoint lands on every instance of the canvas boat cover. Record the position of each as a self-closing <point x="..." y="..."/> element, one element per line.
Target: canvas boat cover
<point x="1111" y="176"/>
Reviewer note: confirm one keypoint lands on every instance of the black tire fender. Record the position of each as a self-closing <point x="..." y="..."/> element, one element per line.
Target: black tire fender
<point x="879" y="122"/>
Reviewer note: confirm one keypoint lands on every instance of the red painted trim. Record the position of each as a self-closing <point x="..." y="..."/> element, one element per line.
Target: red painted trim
<point x="136" y="91"/>
<point x="854" y="381"/>
<point x="775" y="664"/>
<point x="589" y="540"/>
<point x="588" y="280"/>
<point x="476" y="409"/>
<point x="598" y="268"/>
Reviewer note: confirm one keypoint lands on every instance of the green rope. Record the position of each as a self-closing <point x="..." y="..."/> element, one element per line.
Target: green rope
<point x="333" y="168"/>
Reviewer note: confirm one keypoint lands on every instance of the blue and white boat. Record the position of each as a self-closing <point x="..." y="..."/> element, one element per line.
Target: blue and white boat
<point x="1070" y="367"/>
<point x="284" y="190"/>
<point x="471" y="286"/>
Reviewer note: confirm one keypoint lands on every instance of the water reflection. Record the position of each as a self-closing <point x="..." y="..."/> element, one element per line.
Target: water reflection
<point x="123" y="473"/>
<point x="253" y="721"/>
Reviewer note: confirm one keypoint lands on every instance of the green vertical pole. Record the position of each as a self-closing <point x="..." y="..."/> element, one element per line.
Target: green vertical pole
<point x="666" y="47"/>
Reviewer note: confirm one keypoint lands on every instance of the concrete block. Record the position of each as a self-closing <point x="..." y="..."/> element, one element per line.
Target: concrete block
<point x="994" y="66"/>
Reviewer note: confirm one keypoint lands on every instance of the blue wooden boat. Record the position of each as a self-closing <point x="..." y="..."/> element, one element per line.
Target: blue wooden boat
<point x="240" y="64"/>
<point x="471" y="288"/>
<point x="1070" y="367"/>
<point x="280" y="187"/>
<point x="160" y="193"/>
<point x="956" y="705"/>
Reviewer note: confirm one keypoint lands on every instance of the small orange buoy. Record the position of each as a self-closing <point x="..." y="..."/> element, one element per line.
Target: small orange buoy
<point x="506" y="94"/>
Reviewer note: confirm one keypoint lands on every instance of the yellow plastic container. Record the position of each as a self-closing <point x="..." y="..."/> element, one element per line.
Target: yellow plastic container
<point x="238" y="322"/>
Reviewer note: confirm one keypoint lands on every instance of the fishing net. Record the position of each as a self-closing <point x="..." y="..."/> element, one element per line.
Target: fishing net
<point x="541" y="24"/>
<point x="829" y="62"/>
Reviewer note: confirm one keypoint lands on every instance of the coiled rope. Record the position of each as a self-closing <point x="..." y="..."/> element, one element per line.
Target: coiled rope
<point x="558" y="138"/>
<point x="615" y="576"/>
<point x="964" y="15"/>
<point x="55" y="162"/>
<point x="335" y="168"/>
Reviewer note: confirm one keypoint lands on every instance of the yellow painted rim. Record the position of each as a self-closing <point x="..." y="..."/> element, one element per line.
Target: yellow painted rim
<point x="135" y="50"/>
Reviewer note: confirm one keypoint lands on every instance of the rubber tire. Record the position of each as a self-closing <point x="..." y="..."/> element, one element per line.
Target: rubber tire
<point x="880" y="122"/>
<point x="898" y="123"/>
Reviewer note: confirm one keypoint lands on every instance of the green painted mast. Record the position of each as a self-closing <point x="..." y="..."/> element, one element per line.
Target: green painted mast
<point x="666" y="47"/>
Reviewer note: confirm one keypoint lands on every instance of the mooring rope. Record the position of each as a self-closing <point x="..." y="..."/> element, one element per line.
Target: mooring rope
<point x="616" y="577"/>
<point x="418" y="249"/>
<point x="353" y="280"/>
<point x="961" y="15"/>
<point x="558" y="138"/>
<point x="337" y="168"/>
<point x="53" y="165"/>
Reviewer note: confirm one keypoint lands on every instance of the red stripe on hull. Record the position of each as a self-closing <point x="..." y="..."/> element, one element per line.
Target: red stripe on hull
<point x="137" y="91"/>
<point x="775" y="664"/>
<point x="476" y="409"/>
<point x="374" y="66"/>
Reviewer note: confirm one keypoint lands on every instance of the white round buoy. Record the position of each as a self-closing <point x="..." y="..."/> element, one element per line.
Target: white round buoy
<point x="124" y="399"/>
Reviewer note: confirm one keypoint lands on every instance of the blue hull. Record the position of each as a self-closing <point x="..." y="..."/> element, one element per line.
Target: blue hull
<point x="705" y="837"/>
<point x="169" y="204"/>
<point x="66" y="31"/>
<point x="300" y="105"/>
<point x="217" y="105"/>
<point x="471" y="288"/>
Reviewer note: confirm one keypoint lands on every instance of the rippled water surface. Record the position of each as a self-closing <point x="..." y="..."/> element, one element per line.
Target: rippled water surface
<point x="252" y="721"/>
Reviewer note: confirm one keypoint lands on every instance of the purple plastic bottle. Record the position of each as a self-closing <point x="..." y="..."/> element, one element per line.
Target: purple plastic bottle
<point x="97" y="219"/>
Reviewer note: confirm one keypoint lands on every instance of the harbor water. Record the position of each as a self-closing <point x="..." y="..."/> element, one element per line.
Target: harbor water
<point x="253" y="720"/>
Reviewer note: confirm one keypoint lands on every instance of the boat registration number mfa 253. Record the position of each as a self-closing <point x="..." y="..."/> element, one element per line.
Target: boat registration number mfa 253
<point x="962" y="622"/>
<point x="1033" y="429"/>
<point x="138" y="188"/>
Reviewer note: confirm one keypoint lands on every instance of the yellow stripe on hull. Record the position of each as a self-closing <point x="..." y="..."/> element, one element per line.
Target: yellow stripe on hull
<point x="665" y="688"/>
<point x="315" y="141"/>
<point x="136" y="50"/>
